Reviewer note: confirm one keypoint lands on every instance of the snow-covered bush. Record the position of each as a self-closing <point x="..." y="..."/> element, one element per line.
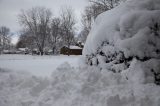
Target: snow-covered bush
<point x="128" y="32"/>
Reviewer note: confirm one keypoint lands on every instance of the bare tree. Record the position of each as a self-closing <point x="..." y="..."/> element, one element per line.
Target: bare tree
<point x="87" y="17"/>
<point x="37" y="21"/>
<point x="5" y="39"/>
<point x="68" y="22"/>
<point x="87" y="21"/>
<point x="26" y="40"/>
<point x="95" y="8"/>
<point x="99" y="6"/>
<point x="55" y="37"/>
<point x="105" y="4"/>
<point x="83" y="35"/>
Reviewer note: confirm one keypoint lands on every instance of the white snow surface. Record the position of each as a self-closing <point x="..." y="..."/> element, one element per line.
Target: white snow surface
<point x="127" y="28"/>
<point x="83" y="86"/>
<point x="74" y="47"/>
<point x="36" y="65"/>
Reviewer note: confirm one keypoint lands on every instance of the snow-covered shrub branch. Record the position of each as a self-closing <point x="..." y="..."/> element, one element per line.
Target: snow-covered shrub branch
<point x="126" y="33"/>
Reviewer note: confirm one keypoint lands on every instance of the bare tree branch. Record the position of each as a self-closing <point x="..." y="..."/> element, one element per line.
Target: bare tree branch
<point x="37" y="20"/>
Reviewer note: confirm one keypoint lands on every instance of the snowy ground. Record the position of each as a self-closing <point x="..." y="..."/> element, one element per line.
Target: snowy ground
<point x="68" y="86"/>
<point x="127" y="77"/>
<point x="36" y="65"/>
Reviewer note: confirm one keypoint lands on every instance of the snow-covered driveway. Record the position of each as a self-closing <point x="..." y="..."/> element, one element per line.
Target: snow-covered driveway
<point x="37" y="65"/>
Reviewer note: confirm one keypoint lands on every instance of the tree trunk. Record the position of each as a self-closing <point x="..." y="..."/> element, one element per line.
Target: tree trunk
<point x="41" y="53"/>
<point x="53" y="50"/>
<point x="68" y="52"/>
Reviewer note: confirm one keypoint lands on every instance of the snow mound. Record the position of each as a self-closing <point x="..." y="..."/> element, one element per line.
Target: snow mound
<point x="123" y="25"/>
<point x="126" y="33"/>
<point x="68" y="86"/>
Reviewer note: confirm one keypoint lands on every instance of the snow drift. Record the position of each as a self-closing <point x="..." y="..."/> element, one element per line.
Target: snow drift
<point x="68" y="86"/>
<point x="126" y="33"/>
<point x="123" y="25"/>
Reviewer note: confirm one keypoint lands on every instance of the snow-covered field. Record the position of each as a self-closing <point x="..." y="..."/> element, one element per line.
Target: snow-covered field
<point x="83" y="86"/>
<point x="36" y="65"/>
<point x="123" y="53"/>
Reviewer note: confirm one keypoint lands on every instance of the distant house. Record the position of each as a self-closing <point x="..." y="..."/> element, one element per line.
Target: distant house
<point x="35" y="51"/>
<point x="72" y="50"/>
<point x="48" y="51"/>
<point x="22" y="51"/>
<point x="12" y="51"/>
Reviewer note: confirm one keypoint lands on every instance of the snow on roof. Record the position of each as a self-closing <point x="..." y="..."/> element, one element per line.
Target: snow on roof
<point x="35" y="49"/>
<point x="75" y="47"/>
<point x="22" y="49"/>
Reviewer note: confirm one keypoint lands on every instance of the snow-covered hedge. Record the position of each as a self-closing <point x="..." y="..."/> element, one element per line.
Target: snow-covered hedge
<point x="128" y="32"/>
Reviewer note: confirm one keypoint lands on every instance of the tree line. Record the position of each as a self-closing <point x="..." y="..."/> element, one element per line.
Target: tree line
<point x="5" y="38"/>
<point x="40" y="29"/>
<point x="58" y="31"/>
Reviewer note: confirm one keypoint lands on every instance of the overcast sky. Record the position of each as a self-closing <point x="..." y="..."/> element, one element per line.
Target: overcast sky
<point x="9" y="9"/>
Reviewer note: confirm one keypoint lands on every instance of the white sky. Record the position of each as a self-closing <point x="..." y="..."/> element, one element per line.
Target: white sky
<point x="9" y="9"/>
